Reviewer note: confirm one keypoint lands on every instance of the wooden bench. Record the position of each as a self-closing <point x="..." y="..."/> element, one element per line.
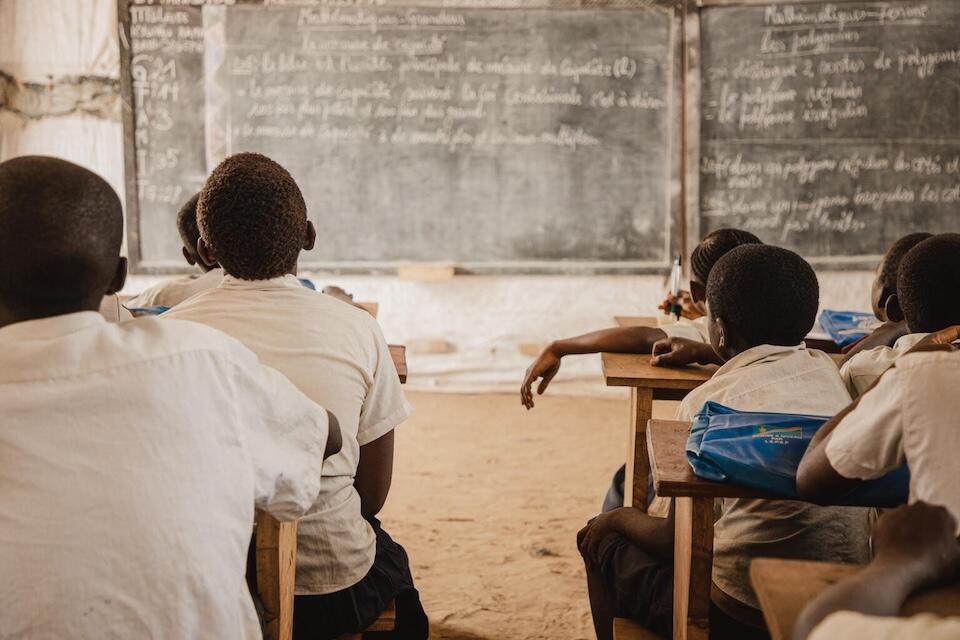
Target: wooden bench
<point x="629" y="630"/>
<point x="782" y="599"/>
<point x="276" y="558"/>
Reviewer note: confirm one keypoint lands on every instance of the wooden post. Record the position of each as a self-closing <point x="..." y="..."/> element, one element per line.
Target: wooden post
<point x="693" y="568"/>
<point x="276" y="554"/>
<point x="635" y="481"/>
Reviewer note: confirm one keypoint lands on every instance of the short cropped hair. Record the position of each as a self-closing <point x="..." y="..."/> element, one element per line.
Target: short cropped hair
<point x="928" y="286"/>
<point x="252" y="216"/>
<point x="61" y="227"/>
<point x="764" y="294"/>
<point x="714" y="246"/>
<point x="187" y="224"/>
<point x="894" y="256"/>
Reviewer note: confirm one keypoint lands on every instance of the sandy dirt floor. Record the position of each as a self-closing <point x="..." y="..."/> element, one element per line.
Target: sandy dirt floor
<point x="487" y="499"/>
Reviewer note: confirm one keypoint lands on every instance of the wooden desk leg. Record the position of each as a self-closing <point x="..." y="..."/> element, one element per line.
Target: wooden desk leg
<point x="692" y="568"/>
<point x="276" y="555"/>
<point x="635" y="486"/>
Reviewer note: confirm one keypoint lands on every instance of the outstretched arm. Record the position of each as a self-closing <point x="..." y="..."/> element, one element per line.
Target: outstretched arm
<point x="914" y="547"/>
<point x="618" y="340"/>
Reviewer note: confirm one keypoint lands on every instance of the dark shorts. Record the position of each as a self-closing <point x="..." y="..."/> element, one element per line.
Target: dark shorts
<point x="356" y="608"/>
<point x="639" y="586"/>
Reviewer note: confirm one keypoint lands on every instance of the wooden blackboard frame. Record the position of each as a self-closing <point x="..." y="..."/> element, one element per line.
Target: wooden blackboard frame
<point x="692" y="85"/>
<point x="675" y="190"/>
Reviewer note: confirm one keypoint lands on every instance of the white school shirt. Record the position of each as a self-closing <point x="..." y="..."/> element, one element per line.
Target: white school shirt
<point x="113" y="311"/>
<point x="782" y="380"/>
<point x="910" y="417"/>
<point x="695" y="330"/>
<point x="173" y="291"/>
<point x="845" y="625"/>
<point x="132" y="458"/>
<point x="336" y="354"/>
<point x="863" y="369"/>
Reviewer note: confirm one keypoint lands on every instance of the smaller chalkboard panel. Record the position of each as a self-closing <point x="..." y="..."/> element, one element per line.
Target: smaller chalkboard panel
<point x="832" y="128"/>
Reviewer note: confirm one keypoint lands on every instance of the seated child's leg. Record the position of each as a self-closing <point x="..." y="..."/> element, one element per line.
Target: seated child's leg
<point x="318" y="617"/>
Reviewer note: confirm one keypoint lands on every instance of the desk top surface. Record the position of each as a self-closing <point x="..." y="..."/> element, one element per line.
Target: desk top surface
<point x="672" y="475"/>
<point x="784" y="587"/>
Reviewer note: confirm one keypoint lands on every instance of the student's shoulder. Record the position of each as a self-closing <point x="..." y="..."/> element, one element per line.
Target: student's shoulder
<point x="171" y="336"/>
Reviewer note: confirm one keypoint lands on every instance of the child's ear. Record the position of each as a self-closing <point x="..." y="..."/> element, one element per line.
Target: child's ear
<point x="310" y="238"/>
<point x="188" y="257"/>
<point x="119" y="277"/>
<point x="206" y="254"/>
<point x="892" y="309"/>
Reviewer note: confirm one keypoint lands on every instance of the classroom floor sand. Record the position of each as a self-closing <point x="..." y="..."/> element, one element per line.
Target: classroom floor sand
<point x="487" y="498"/>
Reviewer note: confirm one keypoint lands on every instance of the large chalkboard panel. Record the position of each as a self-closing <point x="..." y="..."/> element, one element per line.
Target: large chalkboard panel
<point x="832" y="128"/>
<point x="500" y="139"/>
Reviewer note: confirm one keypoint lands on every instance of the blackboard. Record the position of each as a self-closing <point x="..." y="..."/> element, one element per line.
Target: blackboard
<point x="832" y="128"/>
<point x="520" y="139"/>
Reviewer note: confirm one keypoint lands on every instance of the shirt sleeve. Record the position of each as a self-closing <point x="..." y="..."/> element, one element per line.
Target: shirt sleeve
<point x="868" y="442"/>
<point x="690" y="330"/>
<point x="385" y="405"/>
<point x="848" y="624"/>
<point x="286" y="437"/>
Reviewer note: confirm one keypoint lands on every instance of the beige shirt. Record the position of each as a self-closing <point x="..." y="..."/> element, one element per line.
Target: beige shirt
<point x="132" y="458"/>
<point x="695" y="330"/>
<point x="172" y="292"/>
<point x="336" y="354"/>
<point x="863" y="369"/>
<point x="783" y="380"/>
<point x="910" y="417"/>
<point x="847" y="625"/>
<point x="113" y="311"/>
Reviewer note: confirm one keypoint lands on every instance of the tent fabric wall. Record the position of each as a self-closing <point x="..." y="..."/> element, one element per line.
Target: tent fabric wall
<point x="485" y="319"/>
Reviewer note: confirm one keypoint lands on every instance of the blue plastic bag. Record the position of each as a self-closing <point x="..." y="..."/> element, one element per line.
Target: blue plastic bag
<point x="763" y="450"/>
<point x="846" y="327"/>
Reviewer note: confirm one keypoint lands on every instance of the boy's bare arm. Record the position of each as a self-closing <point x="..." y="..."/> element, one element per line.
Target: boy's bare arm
<point x="914" y="547"/>
<point x="616" y="340"/>
<point x="886" y="335"/>
<point x="653" y="535"/>
<point x="374" y="474"/>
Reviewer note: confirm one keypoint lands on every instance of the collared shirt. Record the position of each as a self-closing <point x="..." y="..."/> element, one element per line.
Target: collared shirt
<point x="113" y="311"/>
<point x="844" y="625"/>
<point x="785" y="380"/>
<point x="910" y="417"/>
<point x="863" y="369"/>
<point x="132" y="458"/>
<point x="695" y="330"/>
<point x="336" y="354"/>
<point x="172" y="292"/>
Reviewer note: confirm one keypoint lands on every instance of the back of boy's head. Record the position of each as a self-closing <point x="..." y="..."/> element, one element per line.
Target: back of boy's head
<point x="890" y="267"/>
<point x="252" y="216"/>
<point x="61" y="227"/>
<point x="764" y="295"/>
<point x="928" y="285"/>
<point x="714" y="246"/>
<point x="187" y="225"/>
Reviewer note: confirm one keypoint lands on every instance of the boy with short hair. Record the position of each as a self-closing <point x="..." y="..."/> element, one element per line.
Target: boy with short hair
<point x="133" y="454"/>
<point x="762" y="302"/>
<point x="253" y="222"/>
<point x="173" y="291"/>
<point x="908" y="417"/>
<point x="691" y="331"/>
<point x="927" y="284"/>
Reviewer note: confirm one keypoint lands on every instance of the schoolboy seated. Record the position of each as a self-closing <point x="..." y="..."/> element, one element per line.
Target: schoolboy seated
<point x="173" y="291"/>
<point x="133" y="454"/>
<point x="908" y="417"/>
<point x="927" y="284"/>
<point x="883" y="297"/>
<point x="914" y="548"/>
<point x="253" y="222"/>
<point x="761" y="301"/>
<point x="642" y="339"/>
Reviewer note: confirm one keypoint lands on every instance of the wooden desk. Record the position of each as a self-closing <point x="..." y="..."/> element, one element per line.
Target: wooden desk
<point x="782" y="599"/>
<point x="373" y="308"/>
<point x="647" y="383"/>
<point x="693" y="541"/>
<point x="399" y="354"/>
